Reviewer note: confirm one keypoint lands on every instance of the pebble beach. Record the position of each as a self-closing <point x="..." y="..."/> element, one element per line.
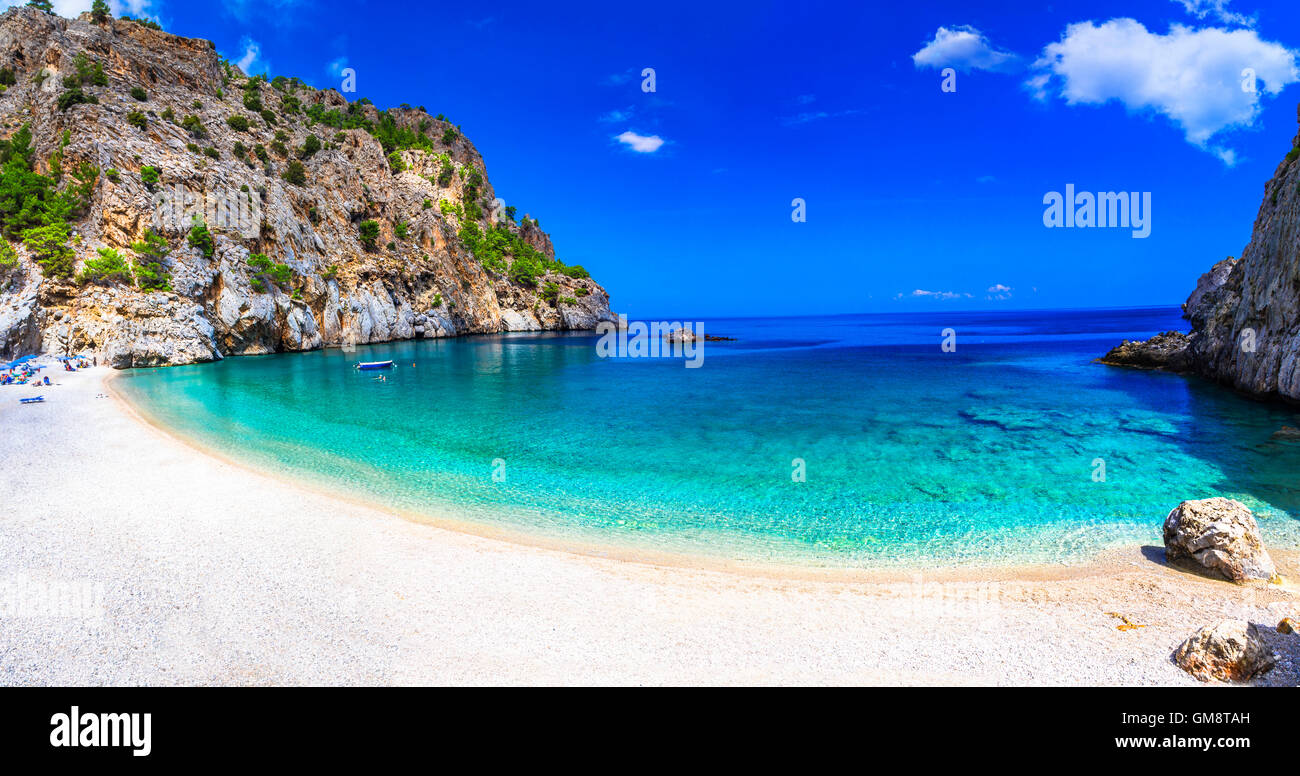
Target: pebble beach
<point x="129" y="557"/>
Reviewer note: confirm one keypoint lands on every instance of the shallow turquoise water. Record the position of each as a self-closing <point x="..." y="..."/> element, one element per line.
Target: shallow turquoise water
<point x="985" y="455"/>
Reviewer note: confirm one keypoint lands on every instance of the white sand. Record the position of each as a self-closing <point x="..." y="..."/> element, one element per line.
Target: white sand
<point x="214" y="574"/>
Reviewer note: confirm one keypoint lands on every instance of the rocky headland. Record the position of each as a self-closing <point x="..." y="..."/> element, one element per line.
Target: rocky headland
<point x="159" y="206"/>
<point x="1244" y="312"/>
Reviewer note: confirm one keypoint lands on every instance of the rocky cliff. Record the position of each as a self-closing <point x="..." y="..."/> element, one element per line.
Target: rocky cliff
<point x="170" y="209"/>
<point x="1244" y="313"/>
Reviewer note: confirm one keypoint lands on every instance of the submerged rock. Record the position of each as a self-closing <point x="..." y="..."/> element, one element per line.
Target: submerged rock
<point x="1168" y="350"/>
<point x="1220" y="536"/>
<point x="1231" y="651"/>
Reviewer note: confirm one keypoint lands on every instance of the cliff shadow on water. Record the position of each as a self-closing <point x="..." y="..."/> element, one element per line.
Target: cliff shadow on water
<point x="1241" y="438"/>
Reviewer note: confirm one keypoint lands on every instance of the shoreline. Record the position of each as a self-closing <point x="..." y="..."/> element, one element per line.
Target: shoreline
<point x="1105" y="562"/>
<point x="212" y="573"/>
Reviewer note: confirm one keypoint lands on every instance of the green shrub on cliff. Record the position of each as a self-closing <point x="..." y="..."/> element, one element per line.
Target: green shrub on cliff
<point x="194" y="125"/>
<point x="238" y="122"/>
<point x="32" y="210"/>
<point x="149" y="23"/>
<point x="8" y="257"/>
<point x="137" y="119"/>
<point x="368" y="233"/>
<point x="252" y="96"/>
<point x="309" y="147"/>
<point x="138" y="93"/>
<point x="110" y="267"/>
<point x="75" y="96"/>
<point x="265" y="270"/>
<point x="85" y="72"/>
<point x="49" y="246"/>
<point x="296" y="173"/>
<point x="149" y="176"/>
<point x="150" y="275"/>
<point x="199" y="237"/>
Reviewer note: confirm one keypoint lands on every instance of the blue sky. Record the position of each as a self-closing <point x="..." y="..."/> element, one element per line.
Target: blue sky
<point x="907" y="187"/>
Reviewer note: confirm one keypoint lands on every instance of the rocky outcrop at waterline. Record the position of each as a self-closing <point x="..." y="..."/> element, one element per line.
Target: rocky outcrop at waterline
<point x="1244" y="313"/>
<point x="1167" y="350"/>
<point x="326" y="222"/>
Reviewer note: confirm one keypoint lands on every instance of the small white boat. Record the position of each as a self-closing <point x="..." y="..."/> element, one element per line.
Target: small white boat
<point x="368" y="365"/>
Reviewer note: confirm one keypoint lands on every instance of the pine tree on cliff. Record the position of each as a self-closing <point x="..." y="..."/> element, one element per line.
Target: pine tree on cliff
<point x="99" y="12"/>
<point x="43" y="5"/>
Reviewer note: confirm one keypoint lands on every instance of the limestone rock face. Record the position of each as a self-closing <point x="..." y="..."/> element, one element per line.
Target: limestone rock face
<point x="1207" y="285"/>
<point x="1228" y="652"/>
<point x="420" y="279"/>
<point x="1220" y="536"/>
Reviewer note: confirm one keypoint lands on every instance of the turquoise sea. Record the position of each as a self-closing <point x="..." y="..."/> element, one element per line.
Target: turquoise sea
<point x="985" y="455"/>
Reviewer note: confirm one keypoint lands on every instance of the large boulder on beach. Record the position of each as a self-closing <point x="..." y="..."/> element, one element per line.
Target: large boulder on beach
<point x="1220" y="536"/>
<point x="1231" y="651"/>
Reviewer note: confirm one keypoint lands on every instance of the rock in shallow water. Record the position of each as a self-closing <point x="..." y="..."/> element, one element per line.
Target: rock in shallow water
<point x="1219" y="535"/>
<point x="1231" y="651"/>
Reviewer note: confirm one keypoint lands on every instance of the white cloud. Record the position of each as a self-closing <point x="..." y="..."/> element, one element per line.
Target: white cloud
<point x="964" y="48"/>
<point x="642" y="144"/>
<point x="1192" y="77"/>
<point x="804" y="118"/>
<point x="618" y="79"/>
<point x="1217" y="9"/>
<point x="999" y="291"/>
<point x="252" y="55"/>
<point x="944" y="295"/>
<point x="335" y="68"/>
<point x="616" y="116"/>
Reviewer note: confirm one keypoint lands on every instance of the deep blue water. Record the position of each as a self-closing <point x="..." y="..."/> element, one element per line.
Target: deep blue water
<point x="988" y="454"/>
